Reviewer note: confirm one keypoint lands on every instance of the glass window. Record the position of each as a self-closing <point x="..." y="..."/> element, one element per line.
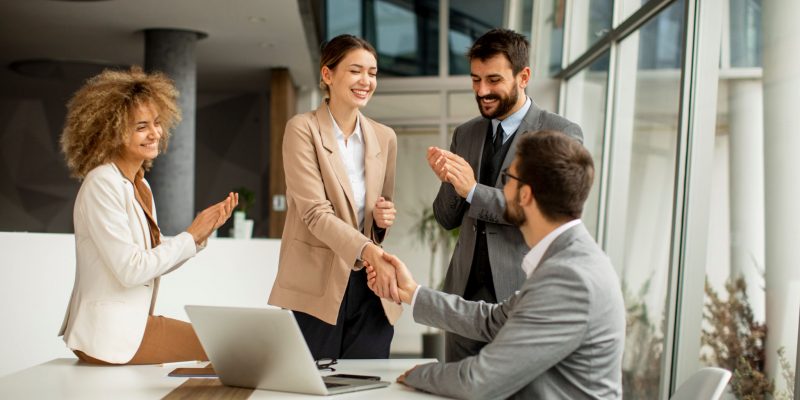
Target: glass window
<point x="586" y="106"/>
<point x="745" y="33"/>
<point x="641" y="190"/>
<point x="469" y="19"/>
<point x="591" y="21"/>
<point x="405" y="33"/>
<point x="551" y="20"/>
<point x="631" y="6"/>
<point x="343" y="16"/>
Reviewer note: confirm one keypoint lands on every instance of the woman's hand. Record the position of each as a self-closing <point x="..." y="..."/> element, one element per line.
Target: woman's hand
<point x="384" y="213"/>
<point x="212" y="218"/>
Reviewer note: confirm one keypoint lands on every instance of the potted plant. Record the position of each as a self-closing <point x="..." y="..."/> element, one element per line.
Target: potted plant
<point x="439" y="241"/>
<point x="242" y="226"/>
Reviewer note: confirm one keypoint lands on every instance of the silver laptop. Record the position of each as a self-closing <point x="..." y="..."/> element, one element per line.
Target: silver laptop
<point x="263" y="348"/>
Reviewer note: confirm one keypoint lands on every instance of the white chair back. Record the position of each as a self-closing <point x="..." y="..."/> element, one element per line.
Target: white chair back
<point x="705" y="384"/>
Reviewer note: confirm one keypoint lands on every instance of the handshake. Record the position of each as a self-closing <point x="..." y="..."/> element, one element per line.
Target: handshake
<point x="387" y="276"/>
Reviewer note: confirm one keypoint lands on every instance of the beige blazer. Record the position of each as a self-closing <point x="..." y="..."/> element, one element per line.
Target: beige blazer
<point x="321" y="242"/>
<point x="116" y="271"/>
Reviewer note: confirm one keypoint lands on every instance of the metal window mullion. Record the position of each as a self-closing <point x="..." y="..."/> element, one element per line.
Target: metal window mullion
<point x="699" y="89"/>
<point x="619" y="33"/>
<point x="605" y="157"/>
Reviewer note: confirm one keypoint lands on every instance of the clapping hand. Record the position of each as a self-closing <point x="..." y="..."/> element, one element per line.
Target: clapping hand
<point x="384" y="213"/>
<point x="436" y="160"/>
<point x="212" y="218"/>
<point x="451" y="168"/>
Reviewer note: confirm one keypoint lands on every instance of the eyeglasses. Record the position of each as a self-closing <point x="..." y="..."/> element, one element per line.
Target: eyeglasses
<point x="504" y="175"/>
<point x="326" y="363"/>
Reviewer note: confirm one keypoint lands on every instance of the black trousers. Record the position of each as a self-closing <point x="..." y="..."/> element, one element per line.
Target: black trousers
<point x="480" y="286"/>
<point x="361" y="330"/>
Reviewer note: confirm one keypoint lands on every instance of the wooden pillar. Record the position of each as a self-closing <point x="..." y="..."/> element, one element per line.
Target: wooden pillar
<point x="281" y="108"/>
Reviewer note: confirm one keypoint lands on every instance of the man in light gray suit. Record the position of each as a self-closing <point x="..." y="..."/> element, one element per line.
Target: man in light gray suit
<point x="485" y="263"/>
<point x="561" y="336"/>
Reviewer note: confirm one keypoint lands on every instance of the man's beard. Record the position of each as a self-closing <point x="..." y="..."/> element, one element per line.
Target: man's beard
<point x="504" y="105"/>
<point x="516" y="217"/>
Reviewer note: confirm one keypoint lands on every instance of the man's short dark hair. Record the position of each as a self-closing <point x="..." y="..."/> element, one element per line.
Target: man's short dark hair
<point x="559" y="170"/>
<point x="501" y="41"/>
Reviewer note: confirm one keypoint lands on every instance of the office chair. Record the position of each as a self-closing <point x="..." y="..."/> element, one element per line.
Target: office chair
<point x="705" y="384"/>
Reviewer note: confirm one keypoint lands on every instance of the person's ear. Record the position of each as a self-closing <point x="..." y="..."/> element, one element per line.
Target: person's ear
<point x="525" y="195"/>
<point x="327" y="75"/>
<point x="524" y="77"/>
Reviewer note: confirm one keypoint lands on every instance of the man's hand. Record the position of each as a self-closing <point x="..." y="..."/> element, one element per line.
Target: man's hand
<point x="459" y="173"/>
<point x="402" y="378"/>
<point x="436" y="160"/>
<point x="405" y="281"/>
<point x="384" y="213"/>
<point x="385" y="282"/>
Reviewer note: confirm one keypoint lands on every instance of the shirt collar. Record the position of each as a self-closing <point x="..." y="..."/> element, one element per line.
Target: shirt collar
<point x="534" y="257"/>
<point x="513" y="121"/>
<point x="338" y="131"/>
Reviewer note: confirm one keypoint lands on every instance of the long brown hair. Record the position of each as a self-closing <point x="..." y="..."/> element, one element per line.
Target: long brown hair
<point x="337" y="48"/>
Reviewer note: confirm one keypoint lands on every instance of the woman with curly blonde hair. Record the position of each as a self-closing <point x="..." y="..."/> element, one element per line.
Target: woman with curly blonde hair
<point x="117" y="123"/>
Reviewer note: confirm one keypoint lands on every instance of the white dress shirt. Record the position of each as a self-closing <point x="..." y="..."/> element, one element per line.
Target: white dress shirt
<point x="534" y="257"/>
<point x="352" y="152"/>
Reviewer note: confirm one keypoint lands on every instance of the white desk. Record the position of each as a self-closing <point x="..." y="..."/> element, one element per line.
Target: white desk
<point x="66" y="378"/>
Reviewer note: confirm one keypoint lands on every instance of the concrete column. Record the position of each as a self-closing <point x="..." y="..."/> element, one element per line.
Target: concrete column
<point x="781" y="82"/>
<point x="745" y="118"/>
<point x="172" y="52"/>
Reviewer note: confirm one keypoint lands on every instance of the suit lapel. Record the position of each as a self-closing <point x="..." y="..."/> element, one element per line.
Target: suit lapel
<point x="331" y="145"/>
<point x="531" y="122"/>
<point x="373" y="173"/>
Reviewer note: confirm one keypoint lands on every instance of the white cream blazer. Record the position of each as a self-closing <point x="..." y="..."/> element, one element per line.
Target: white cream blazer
<point x="116" y="269"/>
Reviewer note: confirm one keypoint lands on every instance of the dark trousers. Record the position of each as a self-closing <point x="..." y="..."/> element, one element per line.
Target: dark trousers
<point x="480" y="287"/>
<point x="361" y="330"/>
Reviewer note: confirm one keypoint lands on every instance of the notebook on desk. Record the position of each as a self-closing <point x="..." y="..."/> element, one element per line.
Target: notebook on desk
<point x="263" y="348"/>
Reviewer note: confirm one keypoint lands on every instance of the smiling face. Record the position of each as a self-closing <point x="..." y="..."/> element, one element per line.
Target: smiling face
<point x="498" y="92"/>
<point x="353" y="80"/>
<point x="146" y="132"/>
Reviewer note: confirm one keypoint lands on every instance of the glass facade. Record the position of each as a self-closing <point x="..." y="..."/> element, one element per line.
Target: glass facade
<point x="404" y="33"/>
<point x="469" y="19"/>
<point x="745" y="33"/>
<point x="632" y="101"/>
<point x="586" y="106"/>
<point x="591" y="21"/>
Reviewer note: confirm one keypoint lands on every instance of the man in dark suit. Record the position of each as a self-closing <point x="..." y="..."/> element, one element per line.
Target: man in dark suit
<point x="485" y="263"/>
<point x="562" y="335"/>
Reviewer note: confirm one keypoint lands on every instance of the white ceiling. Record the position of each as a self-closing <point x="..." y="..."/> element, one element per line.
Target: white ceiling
<point x="245" y="37"/>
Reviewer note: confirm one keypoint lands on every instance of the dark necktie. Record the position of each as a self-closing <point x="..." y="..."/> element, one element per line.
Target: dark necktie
<point x="498" y="139"/>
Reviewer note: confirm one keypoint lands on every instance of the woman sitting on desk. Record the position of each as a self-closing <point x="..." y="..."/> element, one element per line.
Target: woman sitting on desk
<point x="116" y="125"/>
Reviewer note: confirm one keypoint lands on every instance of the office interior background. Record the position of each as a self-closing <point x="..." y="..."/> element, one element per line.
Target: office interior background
<point x="688" y="108"/>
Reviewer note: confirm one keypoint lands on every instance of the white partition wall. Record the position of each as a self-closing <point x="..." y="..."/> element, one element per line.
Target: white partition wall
<point x="37" y="272"/>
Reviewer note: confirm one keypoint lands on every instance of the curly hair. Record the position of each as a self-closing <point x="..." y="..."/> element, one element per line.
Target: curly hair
<point x="99" y="116"/>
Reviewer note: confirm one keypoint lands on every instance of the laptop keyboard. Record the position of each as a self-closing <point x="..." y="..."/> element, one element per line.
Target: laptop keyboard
<point x="330" y="385"/>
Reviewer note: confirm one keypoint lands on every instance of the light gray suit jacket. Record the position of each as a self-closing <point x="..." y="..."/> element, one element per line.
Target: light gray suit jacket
<point x="560" y="337"/>
<point x="505" y="242"/>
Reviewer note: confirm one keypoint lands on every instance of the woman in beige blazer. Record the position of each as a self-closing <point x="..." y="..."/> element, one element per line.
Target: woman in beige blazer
<point x="340" y="171"/>
<point x="116" y="125"/>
